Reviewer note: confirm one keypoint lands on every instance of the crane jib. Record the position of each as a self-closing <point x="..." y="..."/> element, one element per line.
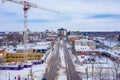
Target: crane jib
<point x="27" y="5"/>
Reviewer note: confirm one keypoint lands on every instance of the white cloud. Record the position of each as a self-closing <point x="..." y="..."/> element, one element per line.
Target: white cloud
<point x="74" y="15"/>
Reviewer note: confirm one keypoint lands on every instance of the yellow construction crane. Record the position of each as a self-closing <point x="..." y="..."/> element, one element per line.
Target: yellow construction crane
<point x="26" y="7"/>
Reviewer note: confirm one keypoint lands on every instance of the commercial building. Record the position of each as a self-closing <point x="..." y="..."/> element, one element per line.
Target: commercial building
<point x="62" y="32"/>
<point x="84" y="45"/>
<point x="19" y="57"/>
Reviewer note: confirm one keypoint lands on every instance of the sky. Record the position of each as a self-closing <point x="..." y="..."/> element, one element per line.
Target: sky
<point x="75" y="15"/>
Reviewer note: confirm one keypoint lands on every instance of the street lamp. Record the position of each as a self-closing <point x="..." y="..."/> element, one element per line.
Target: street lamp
<point x="86" y="72"/>
<point x="93" y="61"/>
<point x="31" y="74"/>
<point x="92" y="69"/>
<point x="9" y="75"/>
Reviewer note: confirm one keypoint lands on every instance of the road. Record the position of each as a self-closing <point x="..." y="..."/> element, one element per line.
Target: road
<point x="51" y="73"/>
<point x="70" y="69"/>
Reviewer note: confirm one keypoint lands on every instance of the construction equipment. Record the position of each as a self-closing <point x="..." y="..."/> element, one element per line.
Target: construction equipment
<point x="27" y="6"/>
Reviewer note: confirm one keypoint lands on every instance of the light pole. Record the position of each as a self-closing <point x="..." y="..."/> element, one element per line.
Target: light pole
<point x="93" y="61"/>
<point x="92" y="69"/>
<point x="6" y="76"/>
<point x="31" y="74"/>
<point x="86" y="72"/>
<point x="9" y="75"/>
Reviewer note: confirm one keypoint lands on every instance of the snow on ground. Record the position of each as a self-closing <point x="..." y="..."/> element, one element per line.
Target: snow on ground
<point x="38" y="71"/>
<point x="46" y="54"/>
<point x="50" y="54"/>
<point x="87" y="68"/>
<point x="96" y="58"/>
<point x="61" y="54"/>
<point x="109" y="43"/>
<point x="41" y="70"/>
<point x="68" y="46"/>
<point x="62" y="68"/>
<point x="115" y="53"/>
<point x="101" y="63"/>
<point x="61" y="74"/>
<point x="61" y="41"/>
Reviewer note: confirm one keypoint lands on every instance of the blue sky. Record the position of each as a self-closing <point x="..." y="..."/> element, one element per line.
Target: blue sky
<point x="82" y="15"/>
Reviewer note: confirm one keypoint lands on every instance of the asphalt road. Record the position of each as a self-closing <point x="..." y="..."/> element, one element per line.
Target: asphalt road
<point x="70" y="69"/>
<point x="51" y="73"/>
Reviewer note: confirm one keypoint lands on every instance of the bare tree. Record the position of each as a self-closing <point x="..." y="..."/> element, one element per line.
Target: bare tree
<point x="116" y="69"/>
<point x="107" y="74"/>
<point x="98" y="71"/>
<point x="1" y="41"/>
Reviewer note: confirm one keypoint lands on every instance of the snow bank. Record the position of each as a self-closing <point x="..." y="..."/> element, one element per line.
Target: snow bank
<point x="61" y="74"/>
<point x="62" y="68"/>
<point x="50" y="54"/>
<point x="61" y="54"/>
<point x="109" y="43"/>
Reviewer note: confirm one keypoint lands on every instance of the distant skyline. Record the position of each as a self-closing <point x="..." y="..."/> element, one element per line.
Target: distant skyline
<point x="75" y="15"/>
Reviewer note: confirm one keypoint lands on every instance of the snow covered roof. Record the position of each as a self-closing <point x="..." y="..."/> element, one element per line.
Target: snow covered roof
<point x="20" y="47"/>
<point x="48" y="43"/>
<point x="84" y="40"/>
<point x="33" y="47"/>
<point x="40" y="47"/>
<point x="109" y="43"/>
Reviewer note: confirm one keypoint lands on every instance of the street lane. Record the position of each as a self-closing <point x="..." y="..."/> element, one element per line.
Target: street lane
<point x="51" y="73"/>
<point x="54" y="63"/>
<point x="70" y="69"/>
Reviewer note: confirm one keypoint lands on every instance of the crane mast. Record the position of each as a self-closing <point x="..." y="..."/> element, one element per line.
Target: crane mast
<point x="26" y="7"/>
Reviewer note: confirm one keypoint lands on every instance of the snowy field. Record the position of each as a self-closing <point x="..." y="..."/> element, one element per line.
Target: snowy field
<point x="101" y="68"/>
<point x="112" y="52"/>
<point x="37" y="70"/>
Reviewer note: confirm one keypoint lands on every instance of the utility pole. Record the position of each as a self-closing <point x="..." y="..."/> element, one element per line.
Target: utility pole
<point x="31" y="74"/>
<point x="93" y="62"/>
<point x="86" y="72"/>
<point x="92" y="69"/>
<point x="9" y="75"/>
